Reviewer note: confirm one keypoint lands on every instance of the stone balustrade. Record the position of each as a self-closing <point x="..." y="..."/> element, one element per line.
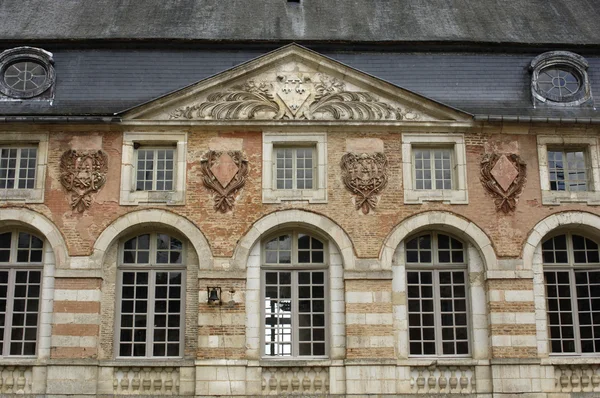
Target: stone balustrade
<point x="577" y="378"/>
<point x="295" y="380"/>
<point x="129" y="380"/>
<point x="15" y="379"/>
<point x="442" y="379"/>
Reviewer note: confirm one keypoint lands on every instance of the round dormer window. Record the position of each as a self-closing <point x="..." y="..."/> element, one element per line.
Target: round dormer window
<point x="560" y="78"/>
<point x="558" y="84"/>
<point x="25" y="72"/>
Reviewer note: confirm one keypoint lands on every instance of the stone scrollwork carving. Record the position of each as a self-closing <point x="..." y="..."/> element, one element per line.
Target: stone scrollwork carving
<point x="300" y="96"/>
<point x="83" y="173"/>
<point x="503" y="176"/>
<point x="224" y="173"/>
<point x="365" y="175"/>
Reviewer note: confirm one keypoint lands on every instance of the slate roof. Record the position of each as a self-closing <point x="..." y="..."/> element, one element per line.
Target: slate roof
<point x="552" y="22"/>
<point x="106" y="82"/>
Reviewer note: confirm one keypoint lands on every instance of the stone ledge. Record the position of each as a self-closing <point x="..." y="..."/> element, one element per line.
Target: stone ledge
<point x="368" y="274"/>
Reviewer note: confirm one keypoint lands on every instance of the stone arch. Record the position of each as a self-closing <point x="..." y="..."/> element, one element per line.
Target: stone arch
<point x="574" y="221"/>
<point x="341" y="258"/>
<point x="571" y="219"/>
<point x="56" y="256"/>
<point x="287" y="218"/>
<point x="480" y="254"/>
<point x="46" y="227"/>
<point x="156" y="217"/>
<point x="442" y="221"/>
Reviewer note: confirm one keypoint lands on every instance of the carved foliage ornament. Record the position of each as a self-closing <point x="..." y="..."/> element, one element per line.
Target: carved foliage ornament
<point x="365" y="175"/>
<point x="503" y="176"/>
<point x="83" y="173"/>
<point x="296" y="95"/>
<point x="224" y="173"/>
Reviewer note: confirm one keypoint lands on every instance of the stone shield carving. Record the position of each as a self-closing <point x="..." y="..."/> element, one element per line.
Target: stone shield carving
<point x="83" y="173"/>
<point x="293" y="95"/>
<point x="365" y="175"/>
<point x="224" y="173"/>
<point x="503" y="176"/>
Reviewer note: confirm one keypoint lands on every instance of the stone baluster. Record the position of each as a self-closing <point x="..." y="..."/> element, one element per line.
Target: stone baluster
<point x="10" y="381"/>
<point x="595" y="379"/>
<point x="295" y="380"/>
<point x="453" y="379"/>
<point x="420" y="381"/>
<point x="585" y="378"/>
<point x="157" y="380"/>
<point x="318" y="382"/>
<point x="125" y="380"/>
<point x="283" y="381"/>
<point x="431" y="379"/>
<point x="169" y="381"/>
<point x="574" y="378"/>
<point x="273" y="379"/>
<point x="464" y="381"/>
<point x="20" y="379"/>
<point x="146" y="382"/>
<point x="306" y="383"/>
<point x="564" y="379"/>
<point x="443" y="381"/>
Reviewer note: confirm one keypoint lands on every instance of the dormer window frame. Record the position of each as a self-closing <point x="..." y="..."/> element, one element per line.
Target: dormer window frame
<point x="565" y="61"/>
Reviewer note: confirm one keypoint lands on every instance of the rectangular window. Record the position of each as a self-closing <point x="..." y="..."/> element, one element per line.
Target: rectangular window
<point x="433" y="168"/>
<point x="437" y="311"/>
<point x="568" y="170"/>
<point x="294" y="313"/>
<point x="573" y="299"/>
<point x="155" y="169"/>
<point x="18" y="167"/>
<point x="294" y="168"/>
<point x="151" y="311"/>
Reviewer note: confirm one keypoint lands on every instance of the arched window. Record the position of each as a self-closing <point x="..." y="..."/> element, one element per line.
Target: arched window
<point x="436" y="278"/>
<point x="150" y="307"/>
<point x="295" y="294"/>
<point x="21" y="266"/>
<point x="572" y="276"/>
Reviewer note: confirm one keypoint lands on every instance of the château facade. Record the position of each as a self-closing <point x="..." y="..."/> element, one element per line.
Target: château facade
<point x="299" y="221"/>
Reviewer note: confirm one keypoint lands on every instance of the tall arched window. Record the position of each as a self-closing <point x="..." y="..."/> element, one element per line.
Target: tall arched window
<point x="150" y="307"/>
<point x="436" y="277"/>
<point x="295" y="294"/>
<point x="21" y="266"/>
<point x="572" y="276"/>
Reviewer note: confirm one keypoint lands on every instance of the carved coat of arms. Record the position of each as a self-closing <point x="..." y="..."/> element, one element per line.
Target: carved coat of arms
<point x="224" y="173"/>
<point x="365" y="175"/>
<point x="503" y="176"/>
<point x="83" y="173"/>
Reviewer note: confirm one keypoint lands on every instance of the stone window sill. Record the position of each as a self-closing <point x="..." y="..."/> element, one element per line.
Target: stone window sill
<point x="558" y="197"/>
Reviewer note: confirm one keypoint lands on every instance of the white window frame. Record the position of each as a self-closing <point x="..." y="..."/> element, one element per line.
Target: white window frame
<point x="571" y="268"/>
<point x="152" y="267"/>
<point x="154" y="150"/>
<point x="20" y="140"/>
<point x="294" y="268"/>
<point x="458" y="194"/>
<point x="12" y="266"/>
<point x="435" y="267"/>
<point x="271" y="140"/>
<point x="129" y="195"/>
<point x="590" y="146"/>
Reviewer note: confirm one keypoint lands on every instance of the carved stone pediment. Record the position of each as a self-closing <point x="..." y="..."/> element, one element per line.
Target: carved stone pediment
<point x="294" y="83"/>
